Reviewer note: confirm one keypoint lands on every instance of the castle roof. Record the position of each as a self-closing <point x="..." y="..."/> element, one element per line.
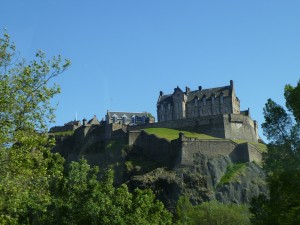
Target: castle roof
<point x="225" y="90"/>
<point x="128" y="114"/>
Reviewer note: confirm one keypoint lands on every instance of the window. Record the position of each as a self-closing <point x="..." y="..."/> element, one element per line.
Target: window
<point x="162" y="107"/>
<point x="221" y="98"/>
<point x="169" y="106"/>
<point x="204" y="100"/>
<point x="213" y="99"/>
<point x="124" y="119"/>
<point x="133" y="120"/>
<point x="115" y="118"/>
<point x="196" y="102"/>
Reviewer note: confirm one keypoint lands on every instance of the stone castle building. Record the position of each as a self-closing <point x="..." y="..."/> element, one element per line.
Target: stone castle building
<point x="128" y="118"/>
<point x="202" y="102"/>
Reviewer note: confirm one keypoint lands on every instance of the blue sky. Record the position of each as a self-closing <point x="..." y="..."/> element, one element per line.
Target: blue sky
<point x="124" y="52"/>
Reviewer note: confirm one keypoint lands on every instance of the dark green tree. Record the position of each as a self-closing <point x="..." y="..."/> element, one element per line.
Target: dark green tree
<point x="281" y="163"/>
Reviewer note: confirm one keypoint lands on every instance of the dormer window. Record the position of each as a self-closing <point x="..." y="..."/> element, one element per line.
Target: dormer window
<point x="162" y="107"/>
<point x="124" y="119"/>
<point x="115" y="118"/>
<point x="213" y="99"/>
<point x="204" y="100"/>
<point x="133" y="119"/>
<point x="196" y="101"/>
<point x="221" y="98"/>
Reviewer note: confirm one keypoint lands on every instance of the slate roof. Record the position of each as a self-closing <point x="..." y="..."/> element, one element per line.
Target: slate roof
<point x="225" y="90"/>
<point x="128" y="114"/>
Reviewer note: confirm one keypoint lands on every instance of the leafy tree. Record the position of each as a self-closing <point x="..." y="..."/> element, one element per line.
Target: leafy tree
<point x="281" y="163"/>
<point x="27" y="168"/>
<point x="211" y="213"/>
<point x="84" y="198"/>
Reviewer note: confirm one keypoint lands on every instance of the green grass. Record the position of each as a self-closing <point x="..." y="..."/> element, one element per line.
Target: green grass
<point x="261" y="147"/>
<point x="232" y="172"/>
<point x="171" y="134"/>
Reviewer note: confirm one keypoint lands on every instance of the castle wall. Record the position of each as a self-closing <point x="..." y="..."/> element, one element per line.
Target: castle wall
<point x="254" y="154"/>
<point x="211" y="148"/>
<point x="183" y="150"/>
<point x="158" y="149"/>
<point x="240" y="127"/>
<point x="229" y="126"/>
<point x="64" y="128"/>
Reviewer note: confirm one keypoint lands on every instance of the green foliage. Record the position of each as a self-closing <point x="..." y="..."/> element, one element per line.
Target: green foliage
<point x="83" y="198"/>
<point x="27" y="167"/>
<point x="232" y="172"/>
<point x="171" y="134"/>
<point x="211" y="213"/>
<point x="35" y="186"/>
<point x="281" y="163"/>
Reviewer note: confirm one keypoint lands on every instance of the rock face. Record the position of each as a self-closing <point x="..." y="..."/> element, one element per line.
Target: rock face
<point x="206" y="178"/>
<point x="204" y="181"/>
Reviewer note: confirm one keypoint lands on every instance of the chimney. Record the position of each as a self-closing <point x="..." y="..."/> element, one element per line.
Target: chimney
<point x="187" y="90"/>
<point x="231" y="83"/>
<point x="161" y="93"/>
<point x="84" y="121"/>
<point x="200" y="88"/>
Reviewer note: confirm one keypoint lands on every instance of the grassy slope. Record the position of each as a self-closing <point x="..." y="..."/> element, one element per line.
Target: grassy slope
<point x="171" y="134"/>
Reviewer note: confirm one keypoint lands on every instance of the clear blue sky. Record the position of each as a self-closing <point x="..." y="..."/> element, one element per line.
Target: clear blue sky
<point x="124" y="52"/>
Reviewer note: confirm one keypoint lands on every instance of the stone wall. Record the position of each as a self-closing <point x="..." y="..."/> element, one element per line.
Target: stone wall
<point x="240" y="127"/>
<point x="64" y="128"/>
<point x="158" y="149"/>
<point x="230" y="126"/>
<point x="183" y="150"/>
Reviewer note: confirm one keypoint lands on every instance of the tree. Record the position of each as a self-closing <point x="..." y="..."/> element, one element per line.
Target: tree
<point x="281" y="163"/>
<point x="27" y="167"/>
<point x="211" y="213"/>
<point x="84" y="198"/>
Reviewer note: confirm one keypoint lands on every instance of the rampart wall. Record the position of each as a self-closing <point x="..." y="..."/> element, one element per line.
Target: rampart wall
<point x="158" y="149"/>
<point x="64" y="128"/>
<point x="229" y="126"/>
<point x="183" y="150"/>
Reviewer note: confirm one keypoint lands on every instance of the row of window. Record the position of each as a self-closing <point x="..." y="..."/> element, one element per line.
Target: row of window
<point x="195" y="113"/>
<point x="178" y="105"/>
<point x="125" y="119"/>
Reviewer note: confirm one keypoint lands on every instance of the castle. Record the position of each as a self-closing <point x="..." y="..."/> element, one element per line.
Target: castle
<point x="198" y="103"/>
<point x="214" y="111"/>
